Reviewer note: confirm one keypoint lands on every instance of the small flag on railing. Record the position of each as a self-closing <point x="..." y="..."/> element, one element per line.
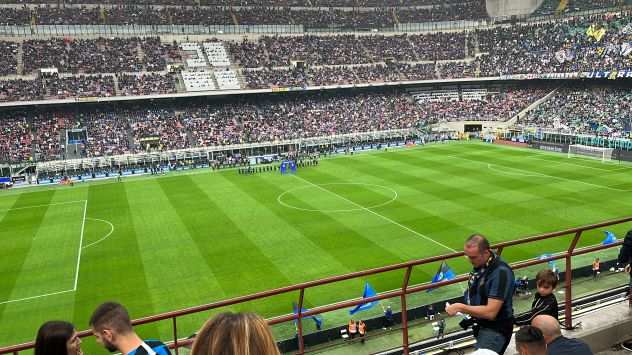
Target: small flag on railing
<point x="318" y="319"/>
<point x="551" y="263"/>
<point x="368" y="292"/>
<point x="610" y="238"/>
<point x="444" y="273"/>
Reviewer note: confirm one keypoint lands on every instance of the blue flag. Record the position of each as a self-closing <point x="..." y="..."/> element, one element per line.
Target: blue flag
<point x="551" y="263"/>
<point x="318" y="319"/>
<point x="368" y="292"/>
<point x="610" y="238"/>
<point x="444" y="273"/>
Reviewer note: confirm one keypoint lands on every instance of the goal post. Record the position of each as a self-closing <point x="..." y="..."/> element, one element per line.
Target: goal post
<point x="580" y="150"/>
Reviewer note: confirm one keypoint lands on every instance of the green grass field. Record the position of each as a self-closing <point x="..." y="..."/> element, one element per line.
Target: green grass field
<point x="158" y="244"/>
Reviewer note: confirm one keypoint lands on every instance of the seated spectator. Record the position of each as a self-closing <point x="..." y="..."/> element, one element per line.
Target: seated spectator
<point x="235" y="334"/>
<point x="112" y="328"/>
<point x="57" y="338"/>
<point x="544" y="301"/>
<point x="530" y="341"/>
<point x="556" y="343"/>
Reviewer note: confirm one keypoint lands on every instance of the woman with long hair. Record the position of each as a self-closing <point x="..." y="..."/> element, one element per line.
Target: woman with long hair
<point x="57" y="338"/>
<point x="235" y="334"/>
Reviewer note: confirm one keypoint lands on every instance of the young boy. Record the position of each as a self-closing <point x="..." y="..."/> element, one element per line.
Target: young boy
<point x="544" y="301"/>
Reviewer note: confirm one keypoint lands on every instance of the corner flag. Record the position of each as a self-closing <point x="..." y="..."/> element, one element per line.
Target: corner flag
<point x="368" y="292"/>
<point x="444" y="273"/>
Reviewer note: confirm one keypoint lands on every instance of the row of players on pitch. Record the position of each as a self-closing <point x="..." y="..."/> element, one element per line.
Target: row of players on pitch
<point x="267" y="168"/>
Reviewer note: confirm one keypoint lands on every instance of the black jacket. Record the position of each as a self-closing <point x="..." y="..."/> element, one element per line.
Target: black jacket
<point x="625" y="254"/>
<point x="541" y="305"/>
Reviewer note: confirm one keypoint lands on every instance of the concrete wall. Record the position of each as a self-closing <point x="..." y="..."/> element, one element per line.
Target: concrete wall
<point x="502" y="8"/>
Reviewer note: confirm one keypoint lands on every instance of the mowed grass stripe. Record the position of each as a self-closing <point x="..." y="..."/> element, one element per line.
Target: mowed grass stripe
<point x="350" y="247"/>
<point x="560" y="171"/>
<point x="391" y="236"/>
<point x="175" y="270"/>
<point x="297" y="257"/>
<point x="238" y="264"/>
<point x="17" y="230"/>
<point x="481" y="207"/>
<point x="112" y="270"/>
<point x="281" y="241"/>
<point x="560" y="199"/>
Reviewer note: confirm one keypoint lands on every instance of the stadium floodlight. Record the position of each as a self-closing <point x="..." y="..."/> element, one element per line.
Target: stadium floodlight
<point x="580" y="150"/>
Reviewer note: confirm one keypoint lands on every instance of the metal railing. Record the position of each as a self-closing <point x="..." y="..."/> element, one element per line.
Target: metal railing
<point x="405" y="289"/>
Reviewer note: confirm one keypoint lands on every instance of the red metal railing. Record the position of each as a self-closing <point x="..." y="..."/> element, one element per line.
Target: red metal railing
<point x="405" y="289"/>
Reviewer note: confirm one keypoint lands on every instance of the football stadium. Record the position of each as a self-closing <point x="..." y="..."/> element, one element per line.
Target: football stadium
<point x="315" y="176"/>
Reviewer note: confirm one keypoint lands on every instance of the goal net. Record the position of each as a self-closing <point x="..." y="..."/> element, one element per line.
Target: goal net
<point x="579" y="150"/>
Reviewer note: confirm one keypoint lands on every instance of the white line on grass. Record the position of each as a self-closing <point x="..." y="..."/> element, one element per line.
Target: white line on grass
<point x="536" y="174"/>
<point x="38" y="296"/>
<point x="539" y="157"/>
<point x="37" y="206"/>
<point x="106" y="236"/>
<point x="83" y="224"/>
<point x="377" y="214"/>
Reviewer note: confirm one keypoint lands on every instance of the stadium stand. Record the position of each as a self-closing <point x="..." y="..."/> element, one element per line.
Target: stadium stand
<point x="573" y="44"/>
<point x="216" y="54"/>
<point x="198" y="80"/>
<point x="590" y="110"/>
<point x="113" y="130"/>
<point x="227" y="80"/>
<point x="145" y="84"/>
<point x="251" y="14"/>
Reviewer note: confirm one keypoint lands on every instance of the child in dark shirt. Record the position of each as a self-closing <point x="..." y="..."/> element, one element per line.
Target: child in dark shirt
<point x="544" y="301"/>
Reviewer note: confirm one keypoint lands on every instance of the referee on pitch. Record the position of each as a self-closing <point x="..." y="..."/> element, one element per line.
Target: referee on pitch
<point x="488" y="299"/>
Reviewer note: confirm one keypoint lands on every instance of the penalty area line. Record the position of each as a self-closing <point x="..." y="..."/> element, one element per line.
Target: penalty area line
<point x="38" y="296"/>
<point x="377" y="214"/>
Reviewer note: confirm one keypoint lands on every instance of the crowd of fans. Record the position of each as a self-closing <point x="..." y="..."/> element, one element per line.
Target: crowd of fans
<point x="247" y="120"/>
<point x="340" y="75"/>
<point x="8" y="58"/>
<point x="495" y="106"/>
<point x="281" y="3"/>
<point x="313" y="14"/>
<point x="580" y="44"/>
<point x="252" y="14"/>
<point x="604" y="110"/>
<point x="146" y="84"/>
<point x="561" y="46"/>
<point x="551" y="7"/>
<point x="102" y="55"/>
<point x="270" y="51"/>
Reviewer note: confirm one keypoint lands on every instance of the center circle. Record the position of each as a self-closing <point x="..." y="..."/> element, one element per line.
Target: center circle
<point x="322" y="187"/>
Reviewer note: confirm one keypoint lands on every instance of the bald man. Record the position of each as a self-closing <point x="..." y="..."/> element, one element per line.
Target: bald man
<point x="556" y="343"/>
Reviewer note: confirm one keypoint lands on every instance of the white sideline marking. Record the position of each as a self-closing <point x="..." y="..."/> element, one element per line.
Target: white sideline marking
<point x="38" y="296"/>
<point x="377" y="214"/>
<point x="106" y="236"/>
<point x="535" y="173"/>
<point x="539" y="157"/>
<point x="83" y="224"/>
<point x="37" y="206"/>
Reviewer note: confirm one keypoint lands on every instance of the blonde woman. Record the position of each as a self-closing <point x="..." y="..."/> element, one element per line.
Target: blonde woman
<point x="235" y="334"/>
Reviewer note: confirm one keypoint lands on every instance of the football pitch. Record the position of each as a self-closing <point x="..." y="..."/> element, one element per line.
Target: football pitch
<point x="163" y="243"/>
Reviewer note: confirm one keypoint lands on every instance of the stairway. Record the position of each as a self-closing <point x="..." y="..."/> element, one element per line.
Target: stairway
<point x="20" y="60"/>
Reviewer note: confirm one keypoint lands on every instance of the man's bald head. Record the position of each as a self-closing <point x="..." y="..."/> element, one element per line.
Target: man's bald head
<point x="549" y="326"/>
